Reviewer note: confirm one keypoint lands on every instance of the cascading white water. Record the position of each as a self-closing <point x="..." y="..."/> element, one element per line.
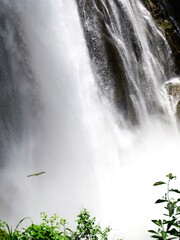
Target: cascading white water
<point x="126" y="51"/>
<point x="59" y="141"/>
<point x="89" y="160"/>
<point x="140" y="45"/>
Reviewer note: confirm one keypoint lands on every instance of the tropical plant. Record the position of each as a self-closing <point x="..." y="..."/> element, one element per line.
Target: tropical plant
<point x="169" y="226"/>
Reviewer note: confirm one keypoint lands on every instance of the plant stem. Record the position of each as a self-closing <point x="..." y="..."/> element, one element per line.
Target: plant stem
<point x="168" y="189"/>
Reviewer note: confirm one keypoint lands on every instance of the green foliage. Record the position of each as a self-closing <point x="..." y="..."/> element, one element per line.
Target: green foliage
<point x="7" y="233"/>
<point x="3" y="234"/>
<point x="169" y="226"/>
<point x="87" y="228"/>
<point x="54" y="228"/>
<point x="51" y="228"/>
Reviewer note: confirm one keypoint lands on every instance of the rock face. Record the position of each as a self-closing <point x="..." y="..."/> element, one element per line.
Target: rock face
<point x="173" y="91"/>
<point x="106" y="60"/>
<point x="166" y="15"/>
<point x="126" y="49"/>
<point x="178" y="111"/>
<point x="171" y="9"/>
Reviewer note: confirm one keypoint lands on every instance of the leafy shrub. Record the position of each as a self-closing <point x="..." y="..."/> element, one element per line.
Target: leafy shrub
<point x="169" y="226"/>
<point x="50" y="228"/>
<point x="88" y="229"/>
<point x="54" y="228"/>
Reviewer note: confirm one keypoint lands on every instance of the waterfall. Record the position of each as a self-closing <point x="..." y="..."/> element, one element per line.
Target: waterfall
<point x="87" y="105"/>
<point x="141" y="68"/>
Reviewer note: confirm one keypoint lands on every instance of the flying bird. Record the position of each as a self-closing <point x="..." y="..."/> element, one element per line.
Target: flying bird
<point x="36" y="174"/>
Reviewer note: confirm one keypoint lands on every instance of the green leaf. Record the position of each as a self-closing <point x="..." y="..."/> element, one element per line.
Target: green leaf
<point x="158" y="183"/>
<point x="158" y="237"/>
<point x="171" y="208"/>
<point x="174" y="190"/>
<point x="21" y="222"/>
<point x="178" y="209"/>
<point x="152" y="231"/>
<point x="161" y="201"/>
<point x="169" y="226"/>
<point x="170" y="176"/>
<point x="163" y="234"/>
<point x="174" y="232"/>
<point x="157" y="222"/>
<point x="171" y="238"/>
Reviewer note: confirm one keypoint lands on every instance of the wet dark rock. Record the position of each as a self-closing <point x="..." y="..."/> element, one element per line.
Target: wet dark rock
<point x="171" y="10"/>
<point x="106" y="59"/>
<point x="178" y="111"/>
<point x="166" y="15"/>
<point x="173" y="92"/>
